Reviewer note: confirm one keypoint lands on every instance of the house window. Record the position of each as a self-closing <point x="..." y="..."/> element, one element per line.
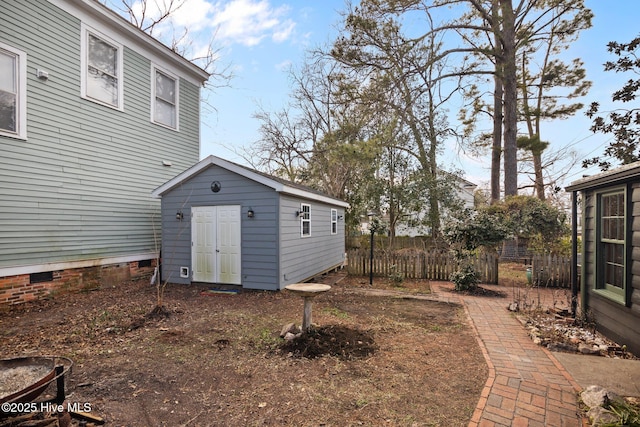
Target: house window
<point x="101" y="69"/>
<point x="611" y="244"/>
<point x="305" y="219"/>
<point x="164" y="102"/>
<point x="334" y="221"/>
<point x="13" y="91"/>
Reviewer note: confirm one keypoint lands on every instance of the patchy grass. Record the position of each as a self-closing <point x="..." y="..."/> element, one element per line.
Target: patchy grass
<point x="512" y="274"/>
<point x="218" y="360"/>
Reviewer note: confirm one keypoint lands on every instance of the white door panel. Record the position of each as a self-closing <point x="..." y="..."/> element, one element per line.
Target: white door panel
<point x="216" y="244"/>
<point x="203" y="245"/>
<point x="229" y="244"/>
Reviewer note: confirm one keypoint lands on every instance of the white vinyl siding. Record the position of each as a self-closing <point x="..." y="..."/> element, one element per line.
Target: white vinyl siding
<point x="305" y="220"/>
<point x="13" y="92"/>
<point x="102" y="77"/>
<point x="164" y="102"/>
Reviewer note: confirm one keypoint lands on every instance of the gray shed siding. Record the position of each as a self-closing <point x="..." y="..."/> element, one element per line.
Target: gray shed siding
<point x="273" y="251"/>
<point x="259" y="234"/>
<point x="79" y="187"/>
<point x="305" y="257"/>
<point x="616" y="321"/>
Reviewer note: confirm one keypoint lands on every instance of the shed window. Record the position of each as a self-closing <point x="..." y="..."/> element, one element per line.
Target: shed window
<point x="13" y="66"/>
<point x="164" y="105"/>
<point x="101" y="69"/>
<point x="611" y="254"/>
<point x="334" y="221"/>
<point x="305" y="219"/>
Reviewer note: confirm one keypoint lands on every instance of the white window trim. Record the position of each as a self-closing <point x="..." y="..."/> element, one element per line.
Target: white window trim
<point x="84" y="62"/>
<point x="599" y="287"/>
<point x="21" y="110"/>
<point x="303" y="220"/>
<point x="154" y="69"/>
<point x="334" y="220"/>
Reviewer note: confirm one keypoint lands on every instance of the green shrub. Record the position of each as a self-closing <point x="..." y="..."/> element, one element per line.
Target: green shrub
<point x="396" y="277"/>
<point x="465" y="279"/>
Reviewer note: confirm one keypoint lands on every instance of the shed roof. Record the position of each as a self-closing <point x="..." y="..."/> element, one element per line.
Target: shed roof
<point x="277" y="184"/>
<point x="610" y="177"/>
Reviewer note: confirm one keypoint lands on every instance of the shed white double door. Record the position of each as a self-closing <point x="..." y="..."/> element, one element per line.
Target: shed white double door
<point x="216" y="244"/>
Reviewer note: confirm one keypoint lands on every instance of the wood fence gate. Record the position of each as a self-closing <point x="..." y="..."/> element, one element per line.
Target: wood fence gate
<point x="551" y="271"/>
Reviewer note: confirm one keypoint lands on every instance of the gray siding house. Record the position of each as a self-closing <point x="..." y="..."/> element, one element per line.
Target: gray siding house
<point x="610" y="251"/>
<point x="228" y="224"/>
<point x="94" y="114"/>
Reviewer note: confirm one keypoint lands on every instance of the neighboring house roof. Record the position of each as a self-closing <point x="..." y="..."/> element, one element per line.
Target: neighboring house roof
<point x="118" y="23"/>
<point x="626" y="172"/>
<point x="277" y="184"/>
<point x="464" y="183"/>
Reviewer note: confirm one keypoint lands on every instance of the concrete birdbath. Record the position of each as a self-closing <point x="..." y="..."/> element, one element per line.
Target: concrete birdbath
<point x="308" y="291"/>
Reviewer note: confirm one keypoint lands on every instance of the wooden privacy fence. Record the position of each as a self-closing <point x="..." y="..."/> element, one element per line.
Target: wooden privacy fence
<point x="551" y="271"/>
<point x="431" y="264"/>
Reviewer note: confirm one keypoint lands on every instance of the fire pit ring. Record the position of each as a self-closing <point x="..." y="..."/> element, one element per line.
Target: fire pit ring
<point x="23" y="379"/>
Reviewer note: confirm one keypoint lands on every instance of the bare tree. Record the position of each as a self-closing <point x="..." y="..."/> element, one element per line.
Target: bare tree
<point x="552" y="166"/>
<point x="405" y="78"/>
<point x="283" y="149"/>
<point x="154" y="17"/>
<point x="318" y="139"/>
<point x="139" y="13"/>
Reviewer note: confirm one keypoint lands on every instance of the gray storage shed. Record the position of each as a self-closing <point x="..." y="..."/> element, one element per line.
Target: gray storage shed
<point x="225" y="223"/>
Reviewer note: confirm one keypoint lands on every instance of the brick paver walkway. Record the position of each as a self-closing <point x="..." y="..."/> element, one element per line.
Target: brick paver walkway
<point x="527" y="386"/>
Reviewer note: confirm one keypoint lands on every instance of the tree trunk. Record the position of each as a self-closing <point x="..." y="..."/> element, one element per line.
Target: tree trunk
<point x="534" y="144"/>
<point x="393" y="216"/>
<point x="510" y="99"/>
<point x="496" y="149"/>
<point x="434" y="202"/>
<point x="537" y="167"/>
<point x="510" y="87"/>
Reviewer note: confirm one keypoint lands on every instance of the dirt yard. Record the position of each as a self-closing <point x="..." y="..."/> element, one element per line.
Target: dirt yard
<point x="218" y="360"/>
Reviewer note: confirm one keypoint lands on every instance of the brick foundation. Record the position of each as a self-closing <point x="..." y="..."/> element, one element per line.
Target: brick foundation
<point x="19" y="289"/>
